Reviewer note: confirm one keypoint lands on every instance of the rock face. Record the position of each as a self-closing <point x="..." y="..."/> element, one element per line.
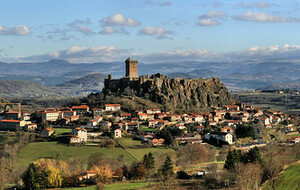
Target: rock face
<point x="176" y="93"/>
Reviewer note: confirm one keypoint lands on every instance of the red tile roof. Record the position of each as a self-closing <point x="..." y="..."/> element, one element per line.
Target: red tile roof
<point x="112" y="105"/>
<point x="11" y="121"/>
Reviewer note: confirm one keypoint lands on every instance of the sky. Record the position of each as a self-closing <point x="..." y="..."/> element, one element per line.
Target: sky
<point x="87" y="31"/>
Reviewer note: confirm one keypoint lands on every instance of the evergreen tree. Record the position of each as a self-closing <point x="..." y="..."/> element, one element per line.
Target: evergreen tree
<point x="232" y="159"/>
<point x="253" y="156"/>
<point x="30" y="178"/>
<point x="149" y="161"/>
<point x="167" y="168"/>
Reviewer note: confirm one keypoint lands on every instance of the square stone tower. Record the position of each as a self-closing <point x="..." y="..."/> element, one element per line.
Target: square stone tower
<point x="131" y="68"/>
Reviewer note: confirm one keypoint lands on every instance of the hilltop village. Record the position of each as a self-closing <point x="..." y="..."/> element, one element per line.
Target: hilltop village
<point x="234" y="126"/>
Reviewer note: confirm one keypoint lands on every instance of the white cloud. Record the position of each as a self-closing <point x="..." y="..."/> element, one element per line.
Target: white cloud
<point x="214" y="14"/>
<point x="208" y="22"/>
<point x="19" y="30"/>
<point x="107" y="30"/>
<point x="260" y="17"/>
<point x="158" y="32"/>
<point x="78" y="54"/>
<point x="119" y="20"/>
<point x="81" y="26"/>
<point x="259" y="4"/>
<point x="212" y="18"/>
<point x="117" y="23"/>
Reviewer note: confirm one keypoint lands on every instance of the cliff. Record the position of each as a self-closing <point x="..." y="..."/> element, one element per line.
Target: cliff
<point x="172" y="93"/>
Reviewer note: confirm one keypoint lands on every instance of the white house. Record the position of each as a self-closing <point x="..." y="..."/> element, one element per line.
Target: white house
<point x="112" y="107"/>
<point x="223" y="136"/>
<point x="80" y="135"/>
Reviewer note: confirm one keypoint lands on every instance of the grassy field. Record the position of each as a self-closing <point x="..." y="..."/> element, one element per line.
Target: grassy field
<point x="139" y="153"/>
<point x="147" y="129"/>
<point x="59" y="131"/>
<point x="293" y="135"/>
<point x="117" y="186"/>
<point x="129" y="143"/>
<point x="289" y="179"/>
<point x="36" y="150"/>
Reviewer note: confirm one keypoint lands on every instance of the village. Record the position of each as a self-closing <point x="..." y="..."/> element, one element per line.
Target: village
<point x="217" y="127"/>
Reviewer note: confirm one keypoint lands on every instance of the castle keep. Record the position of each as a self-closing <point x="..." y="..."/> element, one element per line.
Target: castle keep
<point x="131" y="78"/>
<point x="131" y="68"/>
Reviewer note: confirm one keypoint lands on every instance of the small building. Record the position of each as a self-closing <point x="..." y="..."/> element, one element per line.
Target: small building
<point x="117" y="133"/>
<point x="80" y="135"/>
<point x="47" y="132"/>
<point x="80" y="110"/>
<point x="220" y="136"/>
<point x="13" y="115"/>
<point x="125" y="116"/>
<point x="11" y="125"/>
<point x="97" y="111"/>
<point x="50" y="115"/>
<point x="112" y="107"/>
<point x="142" y="116"/>
<point x="30" y="127"/>
<point x="65" y="114"/>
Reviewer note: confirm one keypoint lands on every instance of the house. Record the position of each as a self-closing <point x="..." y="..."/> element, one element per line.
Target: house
<point x="232" y="108"/>
<point x="97" y="111"/>
<point x="153" y="111"/>
<point x="160" y="115"/>
<point x="106" y="124"/>
<point x="226" y="130"/>
<point x="80" y="135"/>
<point x="153" y="123"/>
<point x="112" y="107"/>
<point x="117" y="133"/>
<point x="125" y="116"/>
<point x="47" y="132"/>
<point x="142" y="116"/>
<point x="30" y="127"/>
<point x="50" y="115"/>
<point x="232" y="123"/>
<point x="65" y="114"/>
<point x="157" y="142"/>
<point x="131" y="126"/>
<point x="74" y="118"/>
<point x="11" y="125"/>
<point x="12" y="115"/>
<point x="188" y="139"/>
<point x="294" y="140"/>
<point x="92" y="123"/>
<point x="173" y="117"/>
<point x="219" y="136"/>
<point x="80" y="110"/>
<point x="146" y="137"/>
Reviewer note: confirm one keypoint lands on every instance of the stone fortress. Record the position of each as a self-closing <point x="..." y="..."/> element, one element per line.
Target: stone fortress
<point x="131" y="78"/>
<point x="174" y="92"/>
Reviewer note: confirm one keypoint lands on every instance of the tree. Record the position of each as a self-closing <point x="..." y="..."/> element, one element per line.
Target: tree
<point x="138" y="171"/>
<point x="149" y="161"/>
<point x="232" y="159"/>
<point x="54" y="177"/>
<point x="249" y="176"/>
<point x="104" y="173"/>
<point x="29" y="178"/>
<point x="253" y="156"/>
<point x="167" y="169"/>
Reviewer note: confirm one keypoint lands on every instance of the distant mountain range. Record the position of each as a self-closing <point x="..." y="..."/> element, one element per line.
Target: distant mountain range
<point x="235" y="75"/>
<point x="77" y="87"/>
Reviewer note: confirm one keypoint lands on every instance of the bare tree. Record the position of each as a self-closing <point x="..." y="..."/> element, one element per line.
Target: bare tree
<point x="249" y="176"/>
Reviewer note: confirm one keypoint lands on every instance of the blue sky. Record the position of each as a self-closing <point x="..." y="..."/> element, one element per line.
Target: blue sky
<point x="150" y="30"/>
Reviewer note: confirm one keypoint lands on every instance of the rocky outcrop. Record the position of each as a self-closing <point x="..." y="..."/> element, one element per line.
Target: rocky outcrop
<point x="176" y="93"/>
